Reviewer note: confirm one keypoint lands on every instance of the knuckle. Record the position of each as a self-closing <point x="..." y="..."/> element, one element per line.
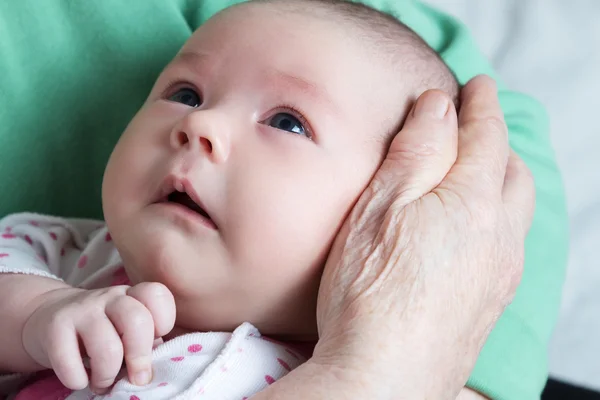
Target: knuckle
<point x="158" y="289"/>
<point x="483" y="212"/>
<point x="415" y="153"/>
<point x="106" y="351"/>
<point x="114" y="291"/>
<point x="147" y="290"/>
<point x="112" y="350"/>
<point x="494" y="125"/>
<point x="59" y="319"/>
<point x="139" y="319"/>
<point x="126" y="304"/>
<point x="137" y="315"/>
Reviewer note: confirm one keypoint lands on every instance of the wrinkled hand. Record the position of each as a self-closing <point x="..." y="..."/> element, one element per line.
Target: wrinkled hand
<point x="112" y="324"/>
<point x="432" y="252"/>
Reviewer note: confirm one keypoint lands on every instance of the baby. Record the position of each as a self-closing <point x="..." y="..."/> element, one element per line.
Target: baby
<point x="221" y="201"/>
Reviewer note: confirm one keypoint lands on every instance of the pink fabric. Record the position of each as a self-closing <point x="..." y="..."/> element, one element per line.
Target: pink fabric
<point x="45" y="387"/>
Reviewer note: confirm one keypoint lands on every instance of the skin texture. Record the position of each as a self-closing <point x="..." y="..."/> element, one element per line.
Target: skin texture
<point x="277" y="198"/>
<point x="262" y="186"/>
<point x="114" y="324"/>
<point x="424" y="295"/>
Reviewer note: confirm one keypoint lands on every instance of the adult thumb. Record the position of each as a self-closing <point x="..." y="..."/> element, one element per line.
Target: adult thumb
<point x="424" y="150"/>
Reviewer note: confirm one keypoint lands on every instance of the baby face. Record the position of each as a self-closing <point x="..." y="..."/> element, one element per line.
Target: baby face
<point x="232" y="180"/>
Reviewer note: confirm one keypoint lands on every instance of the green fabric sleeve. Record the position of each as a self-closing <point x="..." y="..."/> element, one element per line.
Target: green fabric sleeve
<point x="72" y="74"/>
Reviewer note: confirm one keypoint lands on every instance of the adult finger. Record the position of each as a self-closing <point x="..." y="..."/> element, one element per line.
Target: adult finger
<point x="65" y="358"/>
<point x="483" y="136"/>
<point x="135" y="325"/>
<point x="159" y="301"/>
<point x="518" y="193"/>
<point x="424" y="150"/>
<point x="104" y="349"/>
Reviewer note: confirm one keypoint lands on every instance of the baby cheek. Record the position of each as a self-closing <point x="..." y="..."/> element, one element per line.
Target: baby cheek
<point x="294" y="233"/>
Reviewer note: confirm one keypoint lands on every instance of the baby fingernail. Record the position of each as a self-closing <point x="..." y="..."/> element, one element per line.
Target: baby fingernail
<point x="142" y="378"/>
<point x="432" y="104"/>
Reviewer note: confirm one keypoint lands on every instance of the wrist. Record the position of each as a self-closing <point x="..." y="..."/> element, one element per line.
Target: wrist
<point x="321" y="379"/>
<point x="31" y="339"/>
<point x="19" y="295"/>
<point x="385" y="363"/>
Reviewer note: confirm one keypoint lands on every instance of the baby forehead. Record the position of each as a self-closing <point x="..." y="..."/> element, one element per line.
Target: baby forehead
<point x="250" y="36"/>
<point x="266" y="41"/>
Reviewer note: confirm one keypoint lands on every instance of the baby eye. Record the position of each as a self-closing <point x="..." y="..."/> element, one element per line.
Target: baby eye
<point x="286" y="122"/>
<point x="186" y="96"/>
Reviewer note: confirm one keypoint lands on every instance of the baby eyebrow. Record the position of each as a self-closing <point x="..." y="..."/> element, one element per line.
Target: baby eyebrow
<point x="295" y="83"/>
<point x="196" y="62"/>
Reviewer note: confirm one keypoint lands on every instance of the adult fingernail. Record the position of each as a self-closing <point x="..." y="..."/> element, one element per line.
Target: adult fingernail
<point x="142" y="378"/>
<point x="432" y="104"/>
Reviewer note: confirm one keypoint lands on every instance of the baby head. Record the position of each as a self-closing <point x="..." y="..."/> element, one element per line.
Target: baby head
<point x="231" y="182"/>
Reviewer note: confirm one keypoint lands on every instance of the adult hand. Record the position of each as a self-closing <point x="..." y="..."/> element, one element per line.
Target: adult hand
<point x="431" y="254"/>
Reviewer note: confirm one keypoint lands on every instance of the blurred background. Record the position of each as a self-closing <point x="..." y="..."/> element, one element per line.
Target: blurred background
<point x="551" y="49"/>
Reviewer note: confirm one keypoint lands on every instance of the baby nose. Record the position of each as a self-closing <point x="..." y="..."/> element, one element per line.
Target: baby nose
<point x="199" y="135"/>
<point x="185" y="140"/>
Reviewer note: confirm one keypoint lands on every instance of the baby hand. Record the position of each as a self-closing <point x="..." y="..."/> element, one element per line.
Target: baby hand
<point x="108" y="325"/>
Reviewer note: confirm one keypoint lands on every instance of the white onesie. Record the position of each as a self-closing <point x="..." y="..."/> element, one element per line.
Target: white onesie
<point x="213" y="365"/>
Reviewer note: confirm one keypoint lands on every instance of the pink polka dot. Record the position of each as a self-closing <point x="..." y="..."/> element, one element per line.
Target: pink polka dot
<point x="269" y="379"/>
<point x="223" y="368"/>
<point x="53" y="236"/>
<point x="283" y="364"/>
<point x="62" y="252"/>
<point x="162" y="384"/>
<point x="107" y="238"/>
<point x="194" y="348"/>
<point x="2" y="255"/>
<point x="7" y="229"/>
<point x="28" y="239"/>
<point x="43" y="258"/>
<point x="240" y="350"/>
<point x="82" y="261"/>
<point x="8" y="236"/>
<point x="133" y="397"/>
<point x="34" y="223"/>
<point x="201" y="390"/>
<point x="177" y="359"/>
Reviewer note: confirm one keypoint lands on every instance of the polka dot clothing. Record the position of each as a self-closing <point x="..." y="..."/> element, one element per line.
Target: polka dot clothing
<point x="214" y="365"/>
<point x="207" y="366"/>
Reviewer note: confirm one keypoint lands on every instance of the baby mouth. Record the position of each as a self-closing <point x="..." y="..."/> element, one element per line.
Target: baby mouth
<point x="185" y="200"/>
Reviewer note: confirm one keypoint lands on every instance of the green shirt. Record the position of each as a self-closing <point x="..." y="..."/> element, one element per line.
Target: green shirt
<point x="73" y="73"/>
